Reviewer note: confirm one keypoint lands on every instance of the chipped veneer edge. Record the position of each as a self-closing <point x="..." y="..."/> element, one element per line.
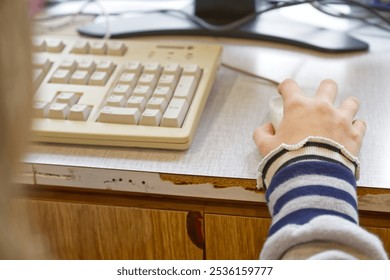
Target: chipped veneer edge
<point x="147" y="182"/>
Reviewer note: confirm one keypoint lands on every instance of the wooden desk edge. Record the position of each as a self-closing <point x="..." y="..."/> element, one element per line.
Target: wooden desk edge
<point x="203" y="188"/>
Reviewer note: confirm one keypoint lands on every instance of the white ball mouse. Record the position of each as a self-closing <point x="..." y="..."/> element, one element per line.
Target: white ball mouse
<point x="276" y="111"/>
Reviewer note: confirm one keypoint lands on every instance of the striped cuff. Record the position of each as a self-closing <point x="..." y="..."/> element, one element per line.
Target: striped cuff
<point x="311" y="196"/>
<point x="308" y="189"/>
<point x="309" y="149"/>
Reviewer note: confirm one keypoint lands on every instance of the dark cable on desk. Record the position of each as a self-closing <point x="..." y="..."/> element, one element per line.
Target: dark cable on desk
<point x="278" y="4"/>
<point x="324" y="7"/>
<point x="321" y="5"/>
<point x="195" y="19"/>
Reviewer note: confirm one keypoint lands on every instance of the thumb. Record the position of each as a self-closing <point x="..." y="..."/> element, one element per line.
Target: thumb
<point x="262" y="136"/>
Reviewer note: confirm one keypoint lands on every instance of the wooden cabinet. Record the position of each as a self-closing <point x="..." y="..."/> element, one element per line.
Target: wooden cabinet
<point x="383" y="234"/>
<point x="85" y="231"/>
<point x="234" y="237"/>
<point x="87" y="225"/>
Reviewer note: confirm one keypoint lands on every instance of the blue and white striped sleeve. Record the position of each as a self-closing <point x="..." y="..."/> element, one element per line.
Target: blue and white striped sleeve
<point x="311" y="196"/>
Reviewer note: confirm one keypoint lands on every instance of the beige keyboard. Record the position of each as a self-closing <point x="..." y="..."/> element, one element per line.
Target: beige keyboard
<point x="120" y="93"/>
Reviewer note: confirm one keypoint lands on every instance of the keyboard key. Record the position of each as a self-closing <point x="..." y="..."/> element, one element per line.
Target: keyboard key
<point x="38" y="76"/>
<point x="157" y="103"/>
<point x="98" y="78"/>
<point x="167" y="81"/>
<point x="79" y="112"/>
<point x="129" y="79"/>
<point x="68" y="64"/>
<point x="163" y="92"/>
<point x="119" y="115"/>
<point x="98" y="47"/>
<point x="144" y="91"/>
<point x="152" y="68"/>
<point x="105" y="66"/>
<point x="69" y="98"/>
<point x="116" y="101"/>
<point x="151" y="117"/>
<point x="121" y="89"/>
<point x="39" y="44"/>
<point x="60" y="76"/>
<point x="133" y="67"/>
<point x="54" y="45"/>
<point x="175" y="113"/>
<point x="41" y="62"/>
<point x="58" y="111"/>
<point x="186" y="87"/>
<point x="87" y="65"/>
<point x="40" y="109"/>
<point x="79" y="77"/>
<point x="192" y="70"/>
<point x="137" y="102"/>
<point x="116" y="48"/>
<point x="148" y="80"/>
<point x="172" y="69"/>
<point x="81" y="47"/>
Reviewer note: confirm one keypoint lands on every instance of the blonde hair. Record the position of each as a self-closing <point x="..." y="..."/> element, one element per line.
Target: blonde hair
<point x="15" y="103"/>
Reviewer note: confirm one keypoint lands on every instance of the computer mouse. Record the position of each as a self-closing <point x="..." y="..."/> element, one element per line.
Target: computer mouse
<point x="276" y="111"/>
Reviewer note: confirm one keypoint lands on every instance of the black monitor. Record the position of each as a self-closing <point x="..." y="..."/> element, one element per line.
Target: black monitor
<point x="217" y="15"/>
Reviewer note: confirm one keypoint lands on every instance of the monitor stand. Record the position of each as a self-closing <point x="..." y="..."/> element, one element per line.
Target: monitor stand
<point x="267" y="27"/>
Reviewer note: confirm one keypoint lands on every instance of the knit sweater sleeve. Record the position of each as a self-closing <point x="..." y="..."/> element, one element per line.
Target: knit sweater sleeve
<point x="311" y="196"/>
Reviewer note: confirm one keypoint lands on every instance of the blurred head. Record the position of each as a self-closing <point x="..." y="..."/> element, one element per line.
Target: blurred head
<point x="15" y="104"/>
<point x="15" y="83"/>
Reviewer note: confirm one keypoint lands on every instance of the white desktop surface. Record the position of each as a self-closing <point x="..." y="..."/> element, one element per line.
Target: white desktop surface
<point x="223" y="144"/>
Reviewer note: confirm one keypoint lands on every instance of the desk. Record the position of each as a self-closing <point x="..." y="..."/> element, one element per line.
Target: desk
<point x="194" y="203"/>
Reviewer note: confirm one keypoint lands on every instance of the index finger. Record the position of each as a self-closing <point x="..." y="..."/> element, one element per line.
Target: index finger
<point x="288" y="89"/>
<point x="327" y="91"/>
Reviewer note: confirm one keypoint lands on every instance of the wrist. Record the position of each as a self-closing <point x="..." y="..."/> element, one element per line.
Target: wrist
<point x="311" y="148"/>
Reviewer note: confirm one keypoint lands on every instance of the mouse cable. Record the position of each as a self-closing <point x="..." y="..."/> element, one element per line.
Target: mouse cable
<point x="250" y="74"/>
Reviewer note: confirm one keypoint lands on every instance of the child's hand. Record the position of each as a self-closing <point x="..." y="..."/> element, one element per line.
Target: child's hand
<point x="313" y="116"/>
